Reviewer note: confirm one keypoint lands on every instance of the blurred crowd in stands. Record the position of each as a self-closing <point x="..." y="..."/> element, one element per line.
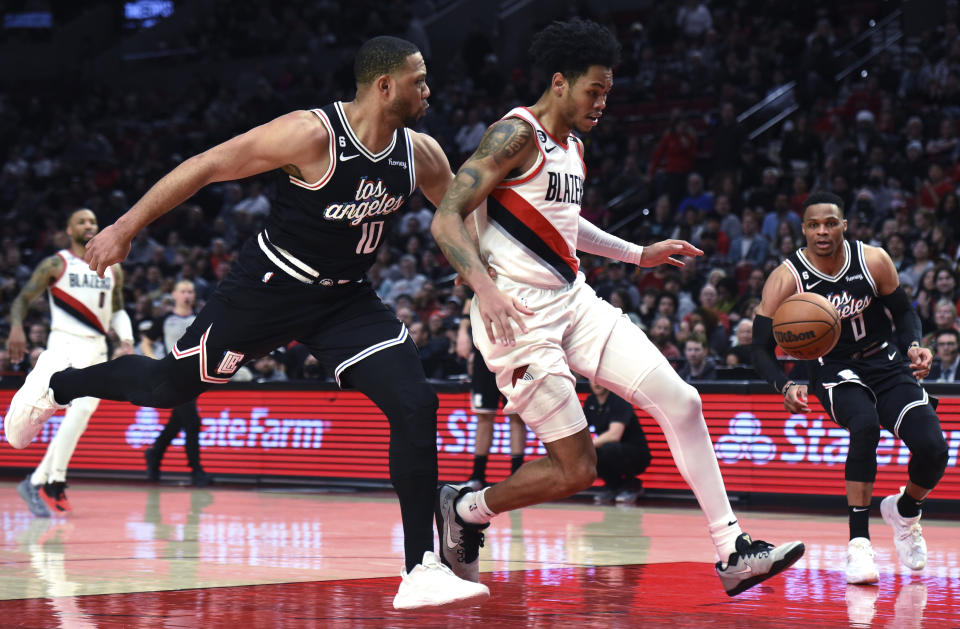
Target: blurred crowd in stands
<point x="668" y="160"/>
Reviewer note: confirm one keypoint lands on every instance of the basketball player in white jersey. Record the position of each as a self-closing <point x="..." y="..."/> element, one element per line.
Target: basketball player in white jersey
<point x="83" y="306"/>
<point x="538" y="319"/>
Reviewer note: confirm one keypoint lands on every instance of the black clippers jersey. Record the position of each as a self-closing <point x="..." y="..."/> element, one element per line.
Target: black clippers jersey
<point x="863" y="320"/>
<point x="335" y="224"/>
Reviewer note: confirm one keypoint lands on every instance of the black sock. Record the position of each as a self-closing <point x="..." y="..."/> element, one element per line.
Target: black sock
<point x="859" y="521"/>
<point x="908" y="506"/>
<point x="416" y="512"/>
<point x="479" y="467"/>
<point x="516" y="460"/>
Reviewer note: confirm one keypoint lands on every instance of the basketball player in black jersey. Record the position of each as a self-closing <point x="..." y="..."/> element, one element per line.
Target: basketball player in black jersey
<point x="865" y="383"/>
<point x="347" y="170"/>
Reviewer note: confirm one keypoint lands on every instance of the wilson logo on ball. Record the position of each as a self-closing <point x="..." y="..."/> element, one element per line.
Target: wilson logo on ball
<point x="790" y="337"/>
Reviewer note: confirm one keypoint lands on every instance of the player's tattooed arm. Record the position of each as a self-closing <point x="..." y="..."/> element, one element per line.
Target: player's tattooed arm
<point x="45" y="273"/>
<point x="504" y="141"/>
<point x="507" y="146"/>
<point x="117" y="293"/>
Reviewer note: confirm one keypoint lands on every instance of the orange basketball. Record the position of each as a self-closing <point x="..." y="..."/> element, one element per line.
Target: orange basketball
<point x="806" y="326"/>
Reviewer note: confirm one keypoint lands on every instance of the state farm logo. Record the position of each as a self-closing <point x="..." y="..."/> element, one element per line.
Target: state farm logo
<point x="790" y="337"/>
<point x="745" y="442"/>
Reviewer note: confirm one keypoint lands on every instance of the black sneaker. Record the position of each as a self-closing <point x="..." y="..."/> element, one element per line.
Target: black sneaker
<point x="755" y="561"/>
<point x="153" y="465"/>
<point x="460" y="542"/>
<point x="199" y="478"/>
<point x="55" y="495"/>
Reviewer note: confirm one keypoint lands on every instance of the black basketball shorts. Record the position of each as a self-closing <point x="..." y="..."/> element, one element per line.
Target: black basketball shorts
<point x="885" y="375"/>
<point x="484" y="395"/>
<point x="258" y="308"/>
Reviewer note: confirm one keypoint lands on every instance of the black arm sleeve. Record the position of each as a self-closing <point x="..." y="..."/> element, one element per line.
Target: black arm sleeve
<point x="763" y="353"/>
<point x="905" y="318"/>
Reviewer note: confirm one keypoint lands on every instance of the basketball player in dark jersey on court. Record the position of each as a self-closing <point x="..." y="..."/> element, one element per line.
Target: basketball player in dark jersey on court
<point x="535" y="319"/>
<point x="348" y="168"/>
<point x="865" y="383"/>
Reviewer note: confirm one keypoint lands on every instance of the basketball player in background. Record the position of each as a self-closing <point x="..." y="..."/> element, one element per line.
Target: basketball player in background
<point x="539" y="319"/>
<point x="83" y="307"/>
<point x="866" y="382"/>
<point x="347" y="168"/>
<point x="484" y="400"/>
<point x="170" y="327"/>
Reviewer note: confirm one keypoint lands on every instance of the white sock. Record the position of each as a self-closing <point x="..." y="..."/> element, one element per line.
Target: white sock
<point x="725" y="533"/>
<point x="472" y="508"/>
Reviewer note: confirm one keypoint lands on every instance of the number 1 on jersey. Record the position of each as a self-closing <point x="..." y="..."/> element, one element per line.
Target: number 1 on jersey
<point x="370" y="237"/>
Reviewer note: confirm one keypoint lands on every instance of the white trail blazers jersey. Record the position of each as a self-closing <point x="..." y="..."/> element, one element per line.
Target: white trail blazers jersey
<point x="528" y="225"/>
<point x="81" y="303"/>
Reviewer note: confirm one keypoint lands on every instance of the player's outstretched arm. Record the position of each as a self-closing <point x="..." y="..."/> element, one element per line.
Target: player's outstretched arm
<point x="905" y="318"/>
<point x="45" y="273"/>
<point x="776" y="289"/>
<point x="282" y="142"/>
<point x="507" y="145"/>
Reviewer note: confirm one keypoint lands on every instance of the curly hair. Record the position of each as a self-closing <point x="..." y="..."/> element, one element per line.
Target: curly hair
<point x="573" y="46"/>
<point x="379" y="56"/>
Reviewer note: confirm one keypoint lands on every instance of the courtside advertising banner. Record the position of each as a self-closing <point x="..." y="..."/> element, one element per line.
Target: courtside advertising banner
<point x="332" y="434"/>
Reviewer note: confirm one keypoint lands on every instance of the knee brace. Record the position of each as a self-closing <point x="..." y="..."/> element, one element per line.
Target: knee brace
<point x="549" y="406"/>
<point x="861" y="465"/>
<point x="921" y="432"/>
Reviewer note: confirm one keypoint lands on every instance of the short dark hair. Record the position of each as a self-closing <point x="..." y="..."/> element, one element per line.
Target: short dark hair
<point x="379" y="56"/>
<point x="822" y="196"/>
<point x="950" y="331"/>
<point x="571" y="47"/>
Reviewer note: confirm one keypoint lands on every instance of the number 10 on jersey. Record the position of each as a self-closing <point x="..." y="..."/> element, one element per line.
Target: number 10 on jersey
<point x="370" y="237"/>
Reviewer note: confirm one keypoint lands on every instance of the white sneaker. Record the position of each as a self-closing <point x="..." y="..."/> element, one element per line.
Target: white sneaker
<point x="433" y="585"/>
<point x="907" y="534"/>
<point x="33" y="403"/>
<point x="861" y="568"/>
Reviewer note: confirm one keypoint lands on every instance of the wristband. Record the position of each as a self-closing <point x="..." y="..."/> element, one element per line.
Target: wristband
<point x="786" y="387"/>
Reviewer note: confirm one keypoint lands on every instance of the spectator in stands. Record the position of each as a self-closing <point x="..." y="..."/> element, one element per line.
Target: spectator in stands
<point x="616" y="279"/>
<point x="661" y="335"/>
<point x="740" y="353"/>
<point x="944" y="318"/>
<point x="935" y="186"/>
<point x="255" y="203"/>
<point x="728" y="138"/>
<point x="469" y="133"/>
<point x="751" y="247"/>
<point x="268" y="368"/>
<point x="697" y="200"/>
<point x="946" y="364"/>
<point x="409" y="282"/>
<point x="920" y="264"/>
<point x="673" y="158"/>
<point x="699" y="365"/>
<point x="781" y="213"/>
<point x="694" y="19"/>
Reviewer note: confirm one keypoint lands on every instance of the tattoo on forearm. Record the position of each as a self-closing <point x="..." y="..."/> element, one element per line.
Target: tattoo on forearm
<point x="504" y="140"/>
<point x="46" y="271"/>
<point x="117" y="288"/>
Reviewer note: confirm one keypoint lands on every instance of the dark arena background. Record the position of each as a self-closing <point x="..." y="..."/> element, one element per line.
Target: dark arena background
<point x="724" y="117"/>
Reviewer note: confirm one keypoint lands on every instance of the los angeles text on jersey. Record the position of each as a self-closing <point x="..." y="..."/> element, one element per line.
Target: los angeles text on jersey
<point x="564" y="188"/>
<point x="89" y="280"/>
<point x="847" y="306"/>
<point x="370" y="199"/>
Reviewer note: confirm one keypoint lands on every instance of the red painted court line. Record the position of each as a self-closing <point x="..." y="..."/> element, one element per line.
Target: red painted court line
<point x="655" y="595"/>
